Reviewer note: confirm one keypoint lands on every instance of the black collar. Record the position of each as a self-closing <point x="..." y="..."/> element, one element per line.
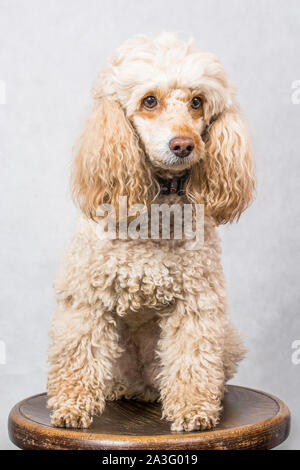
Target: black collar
<point x="174" y="185"/>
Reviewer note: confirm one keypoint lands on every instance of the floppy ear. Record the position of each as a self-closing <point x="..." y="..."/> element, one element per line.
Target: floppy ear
<point x="109" y="161"/>
<point x="224" y="180"/>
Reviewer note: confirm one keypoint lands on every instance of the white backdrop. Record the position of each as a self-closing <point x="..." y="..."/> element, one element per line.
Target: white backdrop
<point x="50" y="53"/>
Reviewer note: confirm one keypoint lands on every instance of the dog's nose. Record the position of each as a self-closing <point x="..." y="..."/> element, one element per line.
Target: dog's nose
<point x="181" y="146"/>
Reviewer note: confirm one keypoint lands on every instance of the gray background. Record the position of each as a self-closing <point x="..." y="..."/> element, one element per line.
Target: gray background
<point x="50" y="52"/>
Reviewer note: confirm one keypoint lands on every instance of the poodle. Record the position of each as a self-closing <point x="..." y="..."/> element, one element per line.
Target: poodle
<point x="146" y="318"/>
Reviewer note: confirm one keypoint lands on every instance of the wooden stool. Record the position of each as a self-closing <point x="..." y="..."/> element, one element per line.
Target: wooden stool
<point x="251" y="420"/>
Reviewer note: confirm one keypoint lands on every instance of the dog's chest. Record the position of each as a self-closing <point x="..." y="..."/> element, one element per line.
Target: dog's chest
<point x="147" y="279"/>
<point x="142" y="275"/>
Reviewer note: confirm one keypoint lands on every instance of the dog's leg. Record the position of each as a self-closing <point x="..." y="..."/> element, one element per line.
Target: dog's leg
<point x="192" y="371"/>
<point x="83" y="348"/>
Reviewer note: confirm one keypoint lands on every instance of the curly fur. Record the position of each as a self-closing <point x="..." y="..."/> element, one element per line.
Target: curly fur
<point x="147" y="319"/>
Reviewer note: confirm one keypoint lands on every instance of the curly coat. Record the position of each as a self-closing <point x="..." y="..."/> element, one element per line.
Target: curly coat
<point x="147" y="319"/>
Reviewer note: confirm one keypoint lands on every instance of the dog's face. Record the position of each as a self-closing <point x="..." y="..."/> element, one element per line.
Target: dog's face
<point x="169" y="92"/>
<point x="161" y="104"/>
<point x="170" y="124"/>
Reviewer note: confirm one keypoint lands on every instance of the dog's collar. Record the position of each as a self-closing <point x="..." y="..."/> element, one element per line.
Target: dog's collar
<point x="174" y="185"/>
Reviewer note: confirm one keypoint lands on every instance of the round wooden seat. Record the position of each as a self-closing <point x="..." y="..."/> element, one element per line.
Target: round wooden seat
<point x="251" y="420"/>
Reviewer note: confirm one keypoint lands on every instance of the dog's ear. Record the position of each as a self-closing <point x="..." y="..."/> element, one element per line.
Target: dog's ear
<point x="224" y="180"/>
<point x="108" y="161"/>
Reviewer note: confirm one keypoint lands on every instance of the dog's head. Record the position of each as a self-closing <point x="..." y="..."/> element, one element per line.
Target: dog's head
<point x="160" y="104"/>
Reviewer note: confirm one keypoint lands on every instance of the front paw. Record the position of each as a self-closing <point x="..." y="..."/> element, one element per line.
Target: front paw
<point x="196" y="420"/>
<point x="65" y="417"/>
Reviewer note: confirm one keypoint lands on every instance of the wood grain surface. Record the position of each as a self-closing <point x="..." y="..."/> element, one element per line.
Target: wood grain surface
<point x="251" y="420"/>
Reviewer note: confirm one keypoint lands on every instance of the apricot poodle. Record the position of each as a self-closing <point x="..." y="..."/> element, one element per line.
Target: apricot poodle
<point x="146" y="318"/>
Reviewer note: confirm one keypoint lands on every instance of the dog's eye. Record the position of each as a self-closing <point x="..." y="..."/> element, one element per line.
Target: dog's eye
<point x="150" y="102"/>
<point x="196" y="102"/>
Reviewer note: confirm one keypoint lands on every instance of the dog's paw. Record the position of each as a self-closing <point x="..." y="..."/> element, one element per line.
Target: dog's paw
<point x="70" y="418"/>
<point x="194" y="422"/>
